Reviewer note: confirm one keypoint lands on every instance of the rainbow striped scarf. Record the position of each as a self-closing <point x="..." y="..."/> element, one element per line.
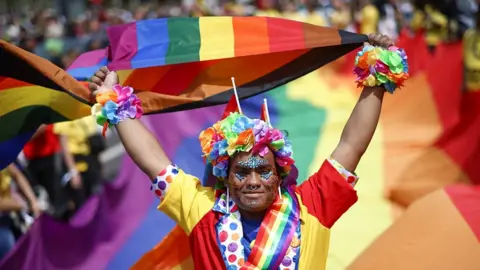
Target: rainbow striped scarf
<point x="275" y="234"/>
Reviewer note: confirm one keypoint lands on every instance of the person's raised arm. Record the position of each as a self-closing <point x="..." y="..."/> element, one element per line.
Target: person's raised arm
<point x="330" y="192"/>
<point x="361" y="125"/>
<point x="25" y="188"/>
<point x="140" y="144"/>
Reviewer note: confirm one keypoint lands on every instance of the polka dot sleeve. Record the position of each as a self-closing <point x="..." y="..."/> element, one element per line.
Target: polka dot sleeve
<point x="161" y="184"/>
<point x="351" y="178"/>
<point x="182" y="197"/>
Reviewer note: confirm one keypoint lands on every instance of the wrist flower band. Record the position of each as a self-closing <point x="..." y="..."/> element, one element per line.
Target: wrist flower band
<point x="376" y="66"/>
<point x="116" y="105"/>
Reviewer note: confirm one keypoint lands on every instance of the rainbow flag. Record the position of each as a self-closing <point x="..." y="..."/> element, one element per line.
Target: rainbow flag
<point x="173" y="64"/>
<point x="178" y="64"/>
<point x="33" y="91"/>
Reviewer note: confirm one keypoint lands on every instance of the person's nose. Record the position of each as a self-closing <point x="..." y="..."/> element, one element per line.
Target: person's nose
<point x="254" y="182"/>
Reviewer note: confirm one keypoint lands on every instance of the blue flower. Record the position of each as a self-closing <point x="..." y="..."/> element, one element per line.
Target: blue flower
<point x="222" y="147"/>
<point x="390" y="86"/>
<point x="405" y="65"/>
<point x="110" y="112"/>
<point x="218" y="149"/>
<point x="241" y="124"/>
<point x="220" y="170"/>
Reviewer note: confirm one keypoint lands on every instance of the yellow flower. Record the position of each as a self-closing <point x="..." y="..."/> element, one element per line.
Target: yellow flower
<point x="372" y="59"/>
<point x="370" y="81"/>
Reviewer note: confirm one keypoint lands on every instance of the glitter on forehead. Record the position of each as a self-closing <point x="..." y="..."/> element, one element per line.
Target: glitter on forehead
<point x="253" y="162"/>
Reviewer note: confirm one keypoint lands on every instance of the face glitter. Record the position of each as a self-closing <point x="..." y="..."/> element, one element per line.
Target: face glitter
<point x="253" y="162"/>
<point x="240" y="176"/>
<point x="266" y="175"/>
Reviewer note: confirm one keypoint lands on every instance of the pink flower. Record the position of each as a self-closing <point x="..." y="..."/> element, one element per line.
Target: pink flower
<point x="137" y="103"/>
<point x="284" y="161"/>
<point x="123" y="93"/>
<point x="275" y="135"/>
<point x="393" y="48"/>
<point x="381" y="67"/>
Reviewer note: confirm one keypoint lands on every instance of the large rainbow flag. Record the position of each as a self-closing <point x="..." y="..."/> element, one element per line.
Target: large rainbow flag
<point x="173" y="64"/>
<point x="412" y="154"/>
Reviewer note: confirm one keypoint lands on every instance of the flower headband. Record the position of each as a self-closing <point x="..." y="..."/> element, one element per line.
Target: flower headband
<point x="238" y="133"/>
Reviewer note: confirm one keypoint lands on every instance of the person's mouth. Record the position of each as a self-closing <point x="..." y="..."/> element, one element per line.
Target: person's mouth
<point x="253" y="195"/>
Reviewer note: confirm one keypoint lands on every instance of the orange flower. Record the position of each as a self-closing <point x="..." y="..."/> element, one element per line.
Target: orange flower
<point x="397" y="77"/>
<point x="207" y="139"/>
<point x="102" y="98"/>
<point x="363" y="61"/>
<point x="246" y="138"/>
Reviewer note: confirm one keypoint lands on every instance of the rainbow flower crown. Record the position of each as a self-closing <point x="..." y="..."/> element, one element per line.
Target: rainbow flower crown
<point x="238" y="133"/>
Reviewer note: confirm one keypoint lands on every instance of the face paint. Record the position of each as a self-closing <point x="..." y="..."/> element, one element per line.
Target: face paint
<point x="240" y="176"/>
<point x="253" y="182"/>
<point x="253" y="162"/>
<point x="266" y="175"/>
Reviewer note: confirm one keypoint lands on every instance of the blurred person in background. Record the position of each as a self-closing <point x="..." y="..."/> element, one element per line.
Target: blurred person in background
<point x="341" y="17"/>
<point x="310" y="14"/>
<point x="268" y="8"/>
<point x="367" y="16"/>
<point x="85" y="144"/>
<point x="45" y="154"/>
<point x="436" y="19"/>
<point x="471" y="56"/>
<point x="390" y="18"/>
<point x="467" y="10"/>
<point x="12" y="207"/>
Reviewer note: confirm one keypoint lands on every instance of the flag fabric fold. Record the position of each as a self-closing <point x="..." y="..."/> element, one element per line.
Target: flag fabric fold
<point x="33" y="91"/>
<point x="439" y="231"/>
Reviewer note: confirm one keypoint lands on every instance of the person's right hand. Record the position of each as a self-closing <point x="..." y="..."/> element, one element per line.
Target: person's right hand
<point x="35" y="208"/>
<point x="103" y="80"/>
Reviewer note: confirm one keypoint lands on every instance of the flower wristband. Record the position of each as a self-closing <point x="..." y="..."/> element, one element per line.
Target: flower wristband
<point x="376" y="66"/>
<point x="116" y="105"/>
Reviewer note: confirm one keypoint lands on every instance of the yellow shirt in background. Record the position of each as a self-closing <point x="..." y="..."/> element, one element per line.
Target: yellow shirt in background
<point x="341" y="18"/>
<point x="5" y="183"/>
<point x="471" y="51"/>
<point x="311" y="18"/>
<point x="369" y="19"/>
<point x="269" y="13"/>
<point x="77" y="133"/>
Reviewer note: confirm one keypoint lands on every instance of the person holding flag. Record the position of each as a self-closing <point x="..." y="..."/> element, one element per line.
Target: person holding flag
<point x="255" y="217"/>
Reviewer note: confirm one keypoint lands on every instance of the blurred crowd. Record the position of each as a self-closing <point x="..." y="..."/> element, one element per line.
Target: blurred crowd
<point x="60" y="168"/>
<point x="62" y="36"/>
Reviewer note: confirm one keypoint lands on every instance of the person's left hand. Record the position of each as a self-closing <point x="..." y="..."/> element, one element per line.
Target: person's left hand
<point x="380" y="40"/>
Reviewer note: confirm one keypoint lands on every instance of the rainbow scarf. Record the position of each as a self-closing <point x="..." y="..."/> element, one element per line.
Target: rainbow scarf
<point x="275" y="234"/>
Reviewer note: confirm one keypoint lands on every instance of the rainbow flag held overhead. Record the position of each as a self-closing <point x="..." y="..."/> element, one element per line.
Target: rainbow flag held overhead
<point x="33" y="91"/>
<point x="178" y="64"/>
<point x="173" y="64"/>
